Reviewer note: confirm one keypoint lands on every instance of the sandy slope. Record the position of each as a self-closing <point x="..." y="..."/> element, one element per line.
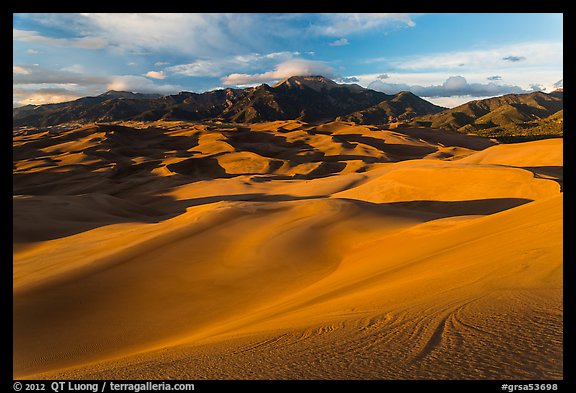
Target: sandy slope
<point x="286" y="251"/>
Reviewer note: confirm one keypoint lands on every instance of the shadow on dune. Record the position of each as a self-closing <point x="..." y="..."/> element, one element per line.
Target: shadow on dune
<point x="399" y="151"/>
<point x="448" y="137"/>
<point x="41" y="219"/>
<point x="524" y="138"/>
<point x="462" y="208"/>
<point x="267" y="145"/>
<point x="433" y="210"/>
<point x="199" y="168"/>
<point x="555" y="173"/>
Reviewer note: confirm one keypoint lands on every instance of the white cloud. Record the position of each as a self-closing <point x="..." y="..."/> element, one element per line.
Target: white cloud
<point x="32" y="74"/>
<point x="531" y="54"/>
<point x="286" y="69"/>
<point x="188" y="33"/>
<point x="199" y="34"/>
<point x="338" y="24"/>
<point x="81" y="42"/>
<point x="453" y="86"/>
<point x="537" y="87"/>
<point x="453" y="101"/>
<point x="161" y="63"/>
<point x="155" y="74"/>
<point x="33" y="36"/>
<point x="455" y="83"/>
<point x="346" y="79"/>
<point x="426" y="74"/>
<point x="20" y="70"/>
<point x="77" y="68"/>
<point x="207" y="34"/>
<point x="139" y="84"/>
<point x="90" y="43"/>
<point x="214" y="67"/>
<point x="38" y="85"/>
<point x="42" y="96"/>
<point x="201" y="67"/>
<point x="32" y="51"/>
<point x="339" y="42"/>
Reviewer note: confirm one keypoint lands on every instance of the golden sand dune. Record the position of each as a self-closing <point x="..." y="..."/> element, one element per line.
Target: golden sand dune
<point x="285" y="250"/>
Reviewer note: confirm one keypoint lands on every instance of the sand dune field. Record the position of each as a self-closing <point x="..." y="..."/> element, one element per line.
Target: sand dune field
<point x="285" y="250"/>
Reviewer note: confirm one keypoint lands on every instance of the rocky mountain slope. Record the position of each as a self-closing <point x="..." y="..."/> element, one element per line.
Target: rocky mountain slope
<point x="306" y="98"/>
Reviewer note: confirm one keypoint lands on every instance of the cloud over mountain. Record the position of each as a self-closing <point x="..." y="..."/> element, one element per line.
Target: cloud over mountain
<point x="39" y="85"/>
<point x="155" y="74"/>
<point x="216" y="66"/>
<point x="283" y="70"/>
<point x="453" y="86"/>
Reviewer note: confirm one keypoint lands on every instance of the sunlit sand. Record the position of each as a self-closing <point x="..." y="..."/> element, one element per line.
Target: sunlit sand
<point x="285" y="250"/>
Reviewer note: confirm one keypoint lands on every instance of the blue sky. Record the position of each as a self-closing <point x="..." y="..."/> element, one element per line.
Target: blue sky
<point x="446" y="58"/>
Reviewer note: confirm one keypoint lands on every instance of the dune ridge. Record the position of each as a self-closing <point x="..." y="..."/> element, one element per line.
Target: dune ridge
<point x="285" y="250"/>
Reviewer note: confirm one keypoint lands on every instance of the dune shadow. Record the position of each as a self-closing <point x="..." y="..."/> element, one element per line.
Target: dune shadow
<point x="396" y="151"/>
<point x="266" y="144"/>
<point x="42" y="218"/>
<point x="199" y="168"/>
<point x="555" y="173"/>
<point x="433" y="210"/>
<point x="525" y="138"/>
<point x="181" y="205"/>
<point x="448" y="137"/>
<point x="324" y="169"/>
<point x="462" y="208"/>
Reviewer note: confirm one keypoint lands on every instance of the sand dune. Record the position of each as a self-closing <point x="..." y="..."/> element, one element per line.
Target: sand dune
<point x="285" y="250"/>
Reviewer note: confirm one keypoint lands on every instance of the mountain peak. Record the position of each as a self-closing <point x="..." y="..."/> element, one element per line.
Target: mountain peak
<point x="558" y="93"/>
<point x="405" y="93"/>
<point x="127" y="94"/>
<point x="116" y="94"/>
<point x="314" y="82"/>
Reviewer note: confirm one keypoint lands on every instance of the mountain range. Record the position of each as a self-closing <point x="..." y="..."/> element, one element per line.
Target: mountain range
<point x="305" y="98"/>
<point x="498" y="111"/>
<point x="403" y="106"/>
<point x="309" y="99"/>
